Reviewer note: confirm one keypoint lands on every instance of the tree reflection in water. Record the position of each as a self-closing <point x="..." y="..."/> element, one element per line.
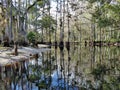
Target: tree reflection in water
<point x="74" y="68"/>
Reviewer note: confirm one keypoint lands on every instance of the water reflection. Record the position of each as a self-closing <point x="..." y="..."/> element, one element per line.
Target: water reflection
<point x="74" y="68"/>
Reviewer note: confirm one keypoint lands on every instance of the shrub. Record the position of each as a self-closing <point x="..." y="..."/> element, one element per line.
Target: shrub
<point x="31" y="36"/>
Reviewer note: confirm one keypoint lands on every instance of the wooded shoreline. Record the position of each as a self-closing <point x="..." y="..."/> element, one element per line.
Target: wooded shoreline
<point x="86" y="43"/>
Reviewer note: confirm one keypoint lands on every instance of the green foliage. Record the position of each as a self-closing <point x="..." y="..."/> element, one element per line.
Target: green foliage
<point x="104" y="22"/>
<point x="47" y="21"/>
<point x="99" y="1"/>
<point x="107" y="14"/>
<point x="92" y="1"/>
<point x="41" y="3"/>
<point x="42" y="84"/>
<point x="100" y="70"/>
<point x="33" y="78"/>
<point x="31" y="36"/>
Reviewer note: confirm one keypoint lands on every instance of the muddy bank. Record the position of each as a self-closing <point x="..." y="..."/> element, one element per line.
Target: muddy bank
<point x="8" y="59"/>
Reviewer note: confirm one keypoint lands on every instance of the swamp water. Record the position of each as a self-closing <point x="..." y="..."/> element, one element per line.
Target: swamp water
<point x="79" y="68"/>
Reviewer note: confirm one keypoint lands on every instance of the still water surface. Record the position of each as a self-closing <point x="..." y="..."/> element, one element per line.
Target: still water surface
<point x="79" y="68"/>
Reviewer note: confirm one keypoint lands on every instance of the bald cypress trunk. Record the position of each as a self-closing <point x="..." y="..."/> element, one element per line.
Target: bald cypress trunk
<point x="11" y="22"/>
<point x="15" y="49"/>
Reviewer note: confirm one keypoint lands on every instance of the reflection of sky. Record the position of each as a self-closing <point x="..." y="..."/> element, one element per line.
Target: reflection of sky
<point x="57" y="83"/>
<point x="60" y="82"/>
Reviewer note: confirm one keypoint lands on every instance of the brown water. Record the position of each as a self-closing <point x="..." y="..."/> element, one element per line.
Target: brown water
<point x="80" y="68"/>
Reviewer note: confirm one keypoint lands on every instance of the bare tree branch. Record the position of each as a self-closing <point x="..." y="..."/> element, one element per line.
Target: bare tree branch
<point x="31" y="6"/>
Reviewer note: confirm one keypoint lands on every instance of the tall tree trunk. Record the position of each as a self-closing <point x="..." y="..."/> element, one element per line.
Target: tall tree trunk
<point x="15" y="49"/>
<point x="68" y="22"/>
<point x="26" y="20"/>
<point x="62" y="11"/>
<point x="11" y="22"/>
<point x="49" y="3"/>
<point x="43" y="8"/>
<point x="56" y="24"/>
